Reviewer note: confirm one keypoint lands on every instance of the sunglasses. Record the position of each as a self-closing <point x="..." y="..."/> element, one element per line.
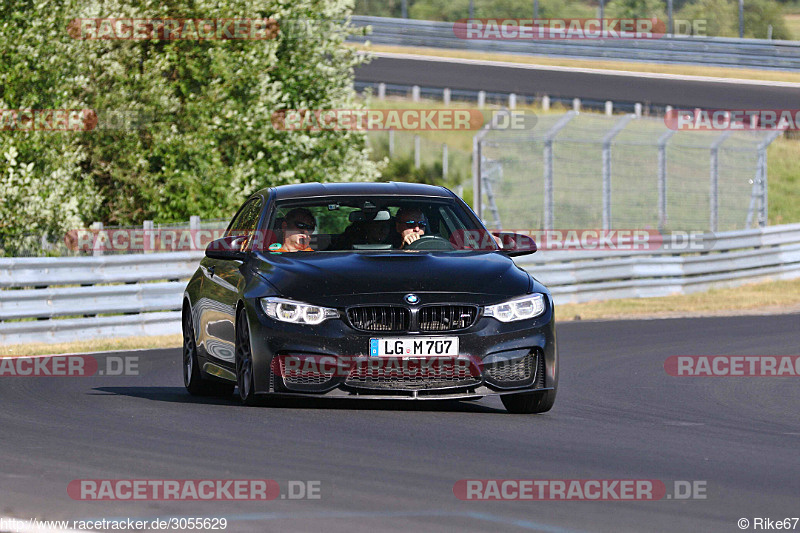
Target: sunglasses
<point x="303" y="225"/>
<point x="412" y="223"/>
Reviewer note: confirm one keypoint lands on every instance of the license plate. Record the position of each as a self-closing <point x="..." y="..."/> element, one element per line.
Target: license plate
<point x="414" y="347"/>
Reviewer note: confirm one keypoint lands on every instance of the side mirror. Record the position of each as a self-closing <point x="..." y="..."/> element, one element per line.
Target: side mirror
<point x="514" y="244"/>
<point x="227" y="248"/>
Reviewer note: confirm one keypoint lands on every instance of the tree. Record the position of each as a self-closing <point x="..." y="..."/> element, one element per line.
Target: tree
<point x="198" y="135"/>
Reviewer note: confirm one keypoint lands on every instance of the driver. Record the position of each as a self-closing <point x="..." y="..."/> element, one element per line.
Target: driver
<point x="297" y="227"/>
<point x="410" y="224"/>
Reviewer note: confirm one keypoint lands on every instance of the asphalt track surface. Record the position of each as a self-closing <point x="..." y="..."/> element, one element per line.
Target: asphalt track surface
<point x="438" y="73"/>
<point x="392" y="466"/>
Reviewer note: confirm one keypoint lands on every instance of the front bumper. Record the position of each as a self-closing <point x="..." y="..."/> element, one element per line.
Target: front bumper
<point x="495" y="348"/>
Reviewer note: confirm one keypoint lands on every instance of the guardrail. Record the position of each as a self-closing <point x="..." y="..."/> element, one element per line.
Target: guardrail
<point x="57" y="299"/>
<point x="723" y="259"/>
<point x="143" y="293"/>
<point x="711" y="51"/>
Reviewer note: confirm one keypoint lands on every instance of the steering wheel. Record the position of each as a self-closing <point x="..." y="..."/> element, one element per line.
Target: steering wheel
<point x="430" y="242"/>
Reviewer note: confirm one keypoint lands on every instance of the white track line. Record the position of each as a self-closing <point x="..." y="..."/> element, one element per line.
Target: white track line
<point x="623" y="73"/>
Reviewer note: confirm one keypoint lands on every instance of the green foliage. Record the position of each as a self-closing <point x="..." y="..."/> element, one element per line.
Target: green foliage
<point x="722" y="18"/>
<point x="203" y="137"/>
<point x="724" y="22"/>
<point x="379" y="8"/>
<point x="628" y="9"/>
<point x="452" y="10"/>
<point x="759" y="15"/>
<point x="402" y="169"/>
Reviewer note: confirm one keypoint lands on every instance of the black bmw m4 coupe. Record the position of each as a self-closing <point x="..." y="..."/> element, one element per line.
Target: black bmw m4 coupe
<point x="372" y="291"/>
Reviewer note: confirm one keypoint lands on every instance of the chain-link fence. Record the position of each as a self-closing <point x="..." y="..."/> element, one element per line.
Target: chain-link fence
<point x="593" y="171"/>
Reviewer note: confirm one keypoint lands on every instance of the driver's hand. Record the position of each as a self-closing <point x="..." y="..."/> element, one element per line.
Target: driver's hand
<point x="411" y="237"/>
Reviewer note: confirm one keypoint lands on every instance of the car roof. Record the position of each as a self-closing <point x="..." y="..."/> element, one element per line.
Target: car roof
<point x="393" y="188"/>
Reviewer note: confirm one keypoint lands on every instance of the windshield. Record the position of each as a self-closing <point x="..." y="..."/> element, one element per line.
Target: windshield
<point x="373" y="224"/>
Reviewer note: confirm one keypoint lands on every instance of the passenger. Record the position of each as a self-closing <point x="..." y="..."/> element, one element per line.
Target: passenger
<point x="297" y="227"/>
<point x="410" y="225"/>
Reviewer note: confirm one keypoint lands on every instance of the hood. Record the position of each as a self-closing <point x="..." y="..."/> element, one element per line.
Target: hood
<point x="332" y="278"/>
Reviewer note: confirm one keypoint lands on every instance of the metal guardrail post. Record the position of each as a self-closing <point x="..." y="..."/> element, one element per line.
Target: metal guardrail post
<point x="761" y="180"/>
<point x="618" y="127"/>
<point x="549" y="137"/>
<point x="713" y="195"/>
<point x="149" y="240"/>
<point x="670" y="27"/>
<point x="98" y="226"/>
<point x="662" y="178"/>
<point x="477" y="154"/>
<point x="741" y="19"/>
<point x="445" y="162"/>
<point x="756" y="193"/>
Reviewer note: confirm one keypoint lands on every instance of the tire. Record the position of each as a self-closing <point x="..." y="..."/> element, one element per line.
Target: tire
<point x="529" y="402"/>
<point x="192" y="376"/>
<point x="244" y="361"/>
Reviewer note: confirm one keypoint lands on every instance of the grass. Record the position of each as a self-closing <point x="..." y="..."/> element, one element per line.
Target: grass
<point x="757" y="298"/>
<point x="94" y="345"/>
<point x="686" y="70"/>
<point x="783" y="174"/>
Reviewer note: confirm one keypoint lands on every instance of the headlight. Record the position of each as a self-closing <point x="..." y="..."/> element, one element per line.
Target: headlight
<point x="296" y="312"/>
<point x="518" y="309"/>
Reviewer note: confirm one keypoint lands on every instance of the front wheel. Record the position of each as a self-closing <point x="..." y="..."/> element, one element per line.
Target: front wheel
<point x="244" y="361"/>
<point x="529" y="402"/>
